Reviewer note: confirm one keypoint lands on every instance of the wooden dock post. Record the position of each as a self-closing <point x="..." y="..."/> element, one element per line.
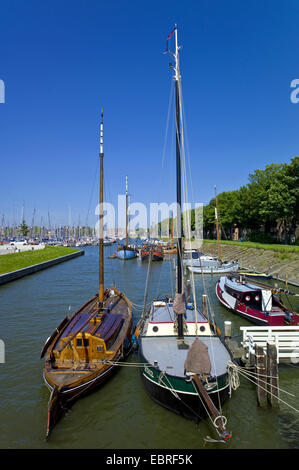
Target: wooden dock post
<point x="260" y="367"/>
<point x="272" y="375"/>
<point x="204" y="306"/>
<point x="227" y="330"/>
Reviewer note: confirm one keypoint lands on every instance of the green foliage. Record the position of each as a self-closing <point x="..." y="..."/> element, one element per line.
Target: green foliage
<point x="260" y="246"/>
<point x="261" y="237"/>
<point x="269" y="201"/>
<point x="23" y="228"/>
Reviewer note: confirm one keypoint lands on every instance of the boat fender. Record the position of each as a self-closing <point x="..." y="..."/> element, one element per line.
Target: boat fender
<point x="288" y="317"/>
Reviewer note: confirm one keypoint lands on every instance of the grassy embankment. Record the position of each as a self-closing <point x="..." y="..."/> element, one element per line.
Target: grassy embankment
<point x="260" y="246"/>
<point x="14" y="261"/>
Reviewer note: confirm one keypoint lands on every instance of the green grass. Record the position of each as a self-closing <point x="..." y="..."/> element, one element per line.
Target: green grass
<point x="14" y="261"/>
<point x="260" y="246"/>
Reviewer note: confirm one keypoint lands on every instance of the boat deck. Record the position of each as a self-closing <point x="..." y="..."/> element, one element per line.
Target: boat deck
<point x="165" y="314"/>
<point x="170" y="358"/>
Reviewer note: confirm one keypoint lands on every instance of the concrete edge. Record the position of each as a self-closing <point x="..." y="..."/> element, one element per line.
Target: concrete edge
<point x="14" y="275"/>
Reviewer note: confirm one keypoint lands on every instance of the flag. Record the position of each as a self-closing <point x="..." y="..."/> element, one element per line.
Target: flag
<point x="166" y="50"/>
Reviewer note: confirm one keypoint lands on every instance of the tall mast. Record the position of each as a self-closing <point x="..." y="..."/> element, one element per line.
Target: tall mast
<point x="127" y="195"/>
<point x="177" y="78"/>
<point x="101" y="244"/>
<point x="217" y="226"/>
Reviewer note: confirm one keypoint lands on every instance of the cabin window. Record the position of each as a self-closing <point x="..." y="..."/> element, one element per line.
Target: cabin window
<point x="202" y="328"/>
<point x="155" y="329"/>
<point x="100" y="348"/>
<point x="84" y="342"/>
<point x="233" y="293"/>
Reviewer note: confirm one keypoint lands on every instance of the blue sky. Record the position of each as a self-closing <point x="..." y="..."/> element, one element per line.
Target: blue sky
<point x="61" y="61"/>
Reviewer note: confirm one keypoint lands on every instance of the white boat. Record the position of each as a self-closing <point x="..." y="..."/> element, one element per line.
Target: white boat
<point x="227" y="267"/>
<point x="198" y="259"/>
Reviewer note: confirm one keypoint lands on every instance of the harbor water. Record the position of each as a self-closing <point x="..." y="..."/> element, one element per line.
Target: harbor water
<point x="120" y="415"/>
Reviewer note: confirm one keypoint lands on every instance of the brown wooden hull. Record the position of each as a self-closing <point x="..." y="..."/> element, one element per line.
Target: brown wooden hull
<point x="69" y="378"/>
<point x="156" y="256"/>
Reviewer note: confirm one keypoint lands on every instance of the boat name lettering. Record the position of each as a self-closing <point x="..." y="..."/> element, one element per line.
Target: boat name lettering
<point x="148" y="371"/>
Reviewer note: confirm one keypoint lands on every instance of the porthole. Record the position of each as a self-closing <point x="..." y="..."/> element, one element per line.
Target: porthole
<point x="155" y="329"/>
<point x="247" y="298"/>
<point x="256" y="298"/>
<point x="202" y="328"/>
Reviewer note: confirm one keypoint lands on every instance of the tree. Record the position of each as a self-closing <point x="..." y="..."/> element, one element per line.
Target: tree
<point x="23" y="228"/>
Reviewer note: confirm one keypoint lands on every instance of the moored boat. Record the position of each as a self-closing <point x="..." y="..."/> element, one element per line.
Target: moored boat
<point x="184" y="362"/>
<point x="257" y="303"/>
<point x="85" y="349"/>
<point x="219" y="268"/>
<point x="256" y="275"/>
<point x="170" y="249"/>
<point x="155" y="251"/>
<point x="126" y="251"/>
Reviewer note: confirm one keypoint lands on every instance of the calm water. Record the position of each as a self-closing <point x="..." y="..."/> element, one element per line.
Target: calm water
<point x="120" y="415"/>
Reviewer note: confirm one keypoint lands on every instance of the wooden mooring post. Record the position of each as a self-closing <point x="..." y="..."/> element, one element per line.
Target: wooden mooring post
<point x="272" y="375"/>
<point x="205" y="305"/>
<point x="260" y="368"/>
<point x="266" y="367"/>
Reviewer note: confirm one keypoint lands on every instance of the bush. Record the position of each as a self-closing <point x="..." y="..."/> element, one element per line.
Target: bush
<point x="261" y="237"/>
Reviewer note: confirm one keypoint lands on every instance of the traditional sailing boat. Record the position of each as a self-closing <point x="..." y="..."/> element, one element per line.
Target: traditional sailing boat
<point x="84" y="350"/>
<point x="254" y="301"/>
<point x="204" y="265"/>
<point x="185" y="362"/>
<point x="153" y="251"/>
<point x="170" y="248"/>
<point x="126" y="251"/>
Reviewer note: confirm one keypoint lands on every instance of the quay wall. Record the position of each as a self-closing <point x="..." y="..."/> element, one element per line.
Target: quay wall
<point x="13" y="275"/>
<point x="283" y="266"/>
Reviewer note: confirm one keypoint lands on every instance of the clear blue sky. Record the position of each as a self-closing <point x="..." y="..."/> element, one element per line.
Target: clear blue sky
<point x="61" y="61"/>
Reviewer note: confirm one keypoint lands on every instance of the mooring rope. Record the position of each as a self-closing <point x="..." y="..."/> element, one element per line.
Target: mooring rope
<point x="241" y="372"/>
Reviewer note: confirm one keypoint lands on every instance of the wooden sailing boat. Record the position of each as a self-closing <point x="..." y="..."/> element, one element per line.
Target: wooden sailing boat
<point x="85" y="349"/>
<point x="153" y="251"/>
<point x="171" y="248"/>
<point x="185" y="362"/>
<point x="126" y="251"/>
<point x="204" y="265"/>
<point x="254" y="301"/>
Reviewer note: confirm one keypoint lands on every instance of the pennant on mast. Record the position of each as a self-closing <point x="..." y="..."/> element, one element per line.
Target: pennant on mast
<point x="167" y="50"/>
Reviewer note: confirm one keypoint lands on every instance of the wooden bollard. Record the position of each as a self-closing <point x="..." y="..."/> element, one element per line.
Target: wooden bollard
<point x="204" y="306"/>
<point x="260" y="367"/>
<point x="272" y="375"/>
<point x="227" y="330"/>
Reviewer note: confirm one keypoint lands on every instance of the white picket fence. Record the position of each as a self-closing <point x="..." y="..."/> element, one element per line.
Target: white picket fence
<point x="286" y="339"/>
